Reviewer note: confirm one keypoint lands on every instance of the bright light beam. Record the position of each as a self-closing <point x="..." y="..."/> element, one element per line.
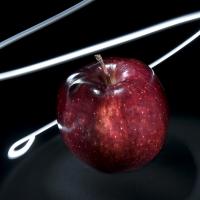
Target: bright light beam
<point x="45" y="23"/>
<point x="99" y="47"/>
<point x="175" y="50"/>
<point x="14" y="152"/>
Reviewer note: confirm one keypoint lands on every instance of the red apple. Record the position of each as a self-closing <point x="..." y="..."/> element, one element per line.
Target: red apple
<point x="113" y="114"/>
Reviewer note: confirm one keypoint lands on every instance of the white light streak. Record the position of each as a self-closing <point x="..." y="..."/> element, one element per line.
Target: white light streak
<point x="99" y="47"/>
<point x="175" y="50"/>
<point x="45" y="23"/>
<point x="14" y="152"/>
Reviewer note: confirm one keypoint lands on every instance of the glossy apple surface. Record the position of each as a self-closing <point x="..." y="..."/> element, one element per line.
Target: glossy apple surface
<point x="113" y="117"/>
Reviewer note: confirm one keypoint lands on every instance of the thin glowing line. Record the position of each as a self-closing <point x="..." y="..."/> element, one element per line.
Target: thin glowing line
<point x="45" y="23"/>
<point x="101" y="46"/>
<point x="28" y="141"/>
<point x="13" y="153"/>
<point x="175" y="50"/>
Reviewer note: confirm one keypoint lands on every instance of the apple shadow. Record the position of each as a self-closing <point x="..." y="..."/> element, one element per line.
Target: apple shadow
<point x="52" y="172"/>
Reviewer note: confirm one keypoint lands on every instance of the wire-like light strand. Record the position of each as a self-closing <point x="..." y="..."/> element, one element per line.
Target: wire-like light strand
<point x="175" y="50"/>
<point x="99" y="47"/>
<point x="29" y="139"/>
<point x="14" y="152"/>
<point x="45" y="23"/>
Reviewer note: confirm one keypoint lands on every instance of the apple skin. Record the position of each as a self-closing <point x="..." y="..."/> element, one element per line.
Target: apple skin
<point x="116" y="121"/>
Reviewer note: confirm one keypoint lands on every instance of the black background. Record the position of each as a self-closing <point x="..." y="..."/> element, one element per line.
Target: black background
<point x="28" y="102"/>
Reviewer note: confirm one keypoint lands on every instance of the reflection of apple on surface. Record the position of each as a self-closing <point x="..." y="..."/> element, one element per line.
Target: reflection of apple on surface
<point x="113" y="114"/>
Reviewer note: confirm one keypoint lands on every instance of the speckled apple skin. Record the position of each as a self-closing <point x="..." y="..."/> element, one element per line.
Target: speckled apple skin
<point x="118" y="126"/>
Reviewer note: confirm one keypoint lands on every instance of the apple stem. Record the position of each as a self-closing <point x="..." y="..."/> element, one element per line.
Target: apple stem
<point x="99" y="58"/>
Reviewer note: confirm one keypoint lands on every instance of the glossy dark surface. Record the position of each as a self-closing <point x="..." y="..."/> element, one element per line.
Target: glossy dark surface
<point x="113" y="126"/>
<point x="51" y="172"/>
